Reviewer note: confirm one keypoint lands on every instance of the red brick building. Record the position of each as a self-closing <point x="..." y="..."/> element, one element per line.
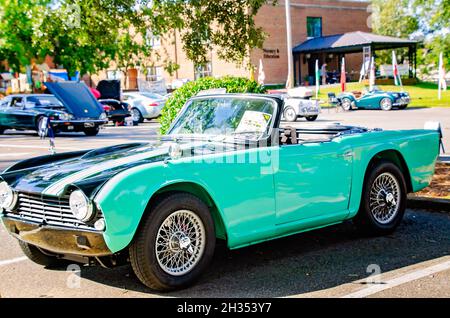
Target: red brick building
<point x="310" y="18"/>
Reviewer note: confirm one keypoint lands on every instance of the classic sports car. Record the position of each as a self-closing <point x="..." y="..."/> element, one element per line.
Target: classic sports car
<point x="374" y="99"/>
<point x="225" y="170"/>
<point x="72" y="108"/>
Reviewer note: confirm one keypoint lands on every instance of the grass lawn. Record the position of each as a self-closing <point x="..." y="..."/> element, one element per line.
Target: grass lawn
<point x="422" y="94"/>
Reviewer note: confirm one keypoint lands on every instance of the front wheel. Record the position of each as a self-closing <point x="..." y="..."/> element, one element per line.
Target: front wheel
<point x="386" y="104"/>
<point x="290" y="114"/>
<point x="36" y="255"/>
<point x="383" y="200"/>
<point x="175" y="243"/>
<point x="311" y="118"/>
<point x="92" y="131"/>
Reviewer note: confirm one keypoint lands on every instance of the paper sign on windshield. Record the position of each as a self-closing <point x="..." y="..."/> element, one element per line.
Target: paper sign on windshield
<point x="253" y="121"/>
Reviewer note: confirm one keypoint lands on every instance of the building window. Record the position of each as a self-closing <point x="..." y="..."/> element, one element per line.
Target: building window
<point x="202" y="70"/>
<point x="152" y="40"/>
<point x="314" y="27"/>
<point x="154" y="73"/>
<point x="114" y="75"/>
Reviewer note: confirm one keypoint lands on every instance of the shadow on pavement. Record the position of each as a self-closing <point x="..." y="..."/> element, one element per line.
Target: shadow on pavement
<point x="305" y="262"/>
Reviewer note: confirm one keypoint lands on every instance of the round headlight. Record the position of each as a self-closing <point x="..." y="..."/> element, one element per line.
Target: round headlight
<point x="7" y="196"/>
<point x="80" y="206"/>
<point x="103" y="116"/>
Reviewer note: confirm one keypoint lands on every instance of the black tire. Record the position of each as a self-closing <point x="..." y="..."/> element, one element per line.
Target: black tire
<point x="143" y="251"/>
<point x="290" y="114"/>
<point x="346" y="104"/>
<point x="137" y="115"/>
<point x="311" y="118"/>
<point x="2" y="130"/>
<point x="365" y="219"/>
<point x="91" y="131"/>
<point x="35" y="255"/>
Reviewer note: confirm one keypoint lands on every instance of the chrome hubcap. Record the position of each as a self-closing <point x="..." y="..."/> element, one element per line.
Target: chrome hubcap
<point x="180" y="242"/>
<point x="289" y="114"/>
<point x="346" y="104"/>
<point x="384" y="198"/>
<point x="386" y="103"/>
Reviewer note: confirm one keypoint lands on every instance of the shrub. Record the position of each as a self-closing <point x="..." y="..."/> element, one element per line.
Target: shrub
<point x="190" y="89"/>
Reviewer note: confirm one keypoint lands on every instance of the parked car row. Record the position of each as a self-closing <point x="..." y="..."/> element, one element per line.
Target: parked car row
<point x="71" y="107"/>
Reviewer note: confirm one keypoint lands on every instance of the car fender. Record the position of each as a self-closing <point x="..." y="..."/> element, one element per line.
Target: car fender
<point x="414" y="147"/>
<point x="125" y="198"/>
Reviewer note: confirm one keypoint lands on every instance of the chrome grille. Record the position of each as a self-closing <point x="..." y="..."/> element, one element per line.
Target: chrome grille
<point x="49" y="210"/>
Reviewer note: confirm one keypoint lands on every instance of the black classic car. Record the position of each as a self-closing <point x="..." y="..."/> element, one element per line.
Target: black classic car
<point x="71" y="108"/>
<point x="116" y="110"/>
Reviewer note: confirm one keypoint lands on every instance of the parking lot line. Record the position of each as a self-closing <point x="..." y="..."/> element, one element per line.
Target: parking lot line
<point x="406" y="278"/>
<point x="14" y="154"/>
<point x="13" y="260"/>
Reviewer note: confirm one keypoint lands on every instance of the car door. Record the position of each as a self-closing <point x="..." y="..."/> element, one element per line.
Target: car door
<point x="369" y="101"/>
<point x="313" y="181"/>
<point x="4" y="114"/>
<point x="21" y="117"/>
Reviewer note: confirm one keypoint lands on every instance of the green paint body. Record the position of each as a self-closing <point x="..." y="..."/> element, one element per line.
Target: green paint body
<point x="283" y="190"/>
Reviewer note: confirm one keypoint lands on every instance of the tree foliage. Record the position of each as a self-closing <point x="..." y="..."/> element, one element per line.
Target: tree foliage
<point x="86" y="35"/>
<point x="425" y="20"/>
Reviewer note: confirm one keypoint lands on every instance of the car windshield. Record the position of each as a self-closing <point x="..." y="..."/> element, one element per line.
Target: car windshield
<point x="236" y="117"/>
<point x="43" y="101"/>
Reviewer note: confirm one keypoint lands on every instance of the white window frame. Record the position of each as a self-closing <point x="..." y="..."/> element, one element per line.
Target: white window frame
<point x="203" y="70"/>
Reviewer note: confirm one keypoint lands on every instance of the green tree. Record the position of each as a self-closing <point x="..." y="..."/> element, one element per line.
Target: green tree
<point x="393" y="18"/>
<point x="18" y="24"/>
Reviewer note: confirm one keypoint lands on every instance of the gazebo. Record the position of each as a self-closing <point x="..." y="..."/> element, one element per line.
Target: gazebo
<point x="334" y="47"/>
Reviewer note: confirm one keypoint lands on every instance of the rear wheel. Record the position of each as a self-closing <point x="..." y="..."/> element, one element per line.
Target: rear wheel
<point x="346" y="104"/>
<point x="91" y="131"/>
<point x="37" y="256"/>
<point x="311" y="118"/>
<point x="290" y="114"/>
<point x="175" y="243"/>
<point x="386" y="104"/>
<point x="137" y="115"/>
<point x="383" y="201"/>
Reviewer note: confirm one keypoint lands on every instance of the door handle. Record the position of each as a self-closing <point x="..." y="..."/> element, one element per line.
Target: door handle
<point x="347" y="154"/>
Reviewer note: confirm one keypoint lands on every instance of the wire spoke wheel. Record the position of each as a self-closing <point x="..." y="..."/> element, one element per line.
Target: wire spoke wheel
<point x="386" y="104"/>
<point x="180" y="242"/>
<point x="290" y="114"/>
<point x="384" y="198"/>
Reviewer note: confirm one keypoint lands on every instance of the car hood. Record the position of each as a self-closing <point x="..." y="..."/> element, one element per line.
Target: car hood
<point x="77" y="98"/>
<point x="97" y="166"/>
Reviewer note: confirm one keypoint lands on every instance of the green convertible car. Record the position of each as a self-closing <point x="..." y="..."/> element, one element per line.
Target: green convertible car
<point x="225" y="170"/>
<point x="373" y="99"/>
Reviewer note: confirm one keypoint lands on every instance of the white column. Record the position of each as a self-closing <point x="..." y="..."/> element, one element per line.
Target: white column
<point x="290" y="78"/>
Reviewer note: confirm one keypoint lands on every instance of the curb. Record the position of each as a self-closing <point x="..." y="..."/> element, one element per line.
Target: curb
<point x="441" y="205"/>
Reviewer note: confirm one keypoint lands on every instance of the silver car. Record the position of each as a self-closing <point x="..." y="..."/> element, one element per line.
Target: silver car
<point x="144" y="105"/>
<point x="295" y="107"/>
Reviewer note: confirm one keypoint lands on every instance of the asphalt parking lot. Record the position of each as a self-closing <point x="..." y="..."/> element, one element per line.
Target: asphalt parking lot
<point x="332" y="262"/>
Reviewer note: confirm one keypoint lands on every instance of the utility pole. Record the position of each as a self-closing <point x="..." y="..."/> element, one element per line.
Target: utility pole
<point x="290" y="78"/>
